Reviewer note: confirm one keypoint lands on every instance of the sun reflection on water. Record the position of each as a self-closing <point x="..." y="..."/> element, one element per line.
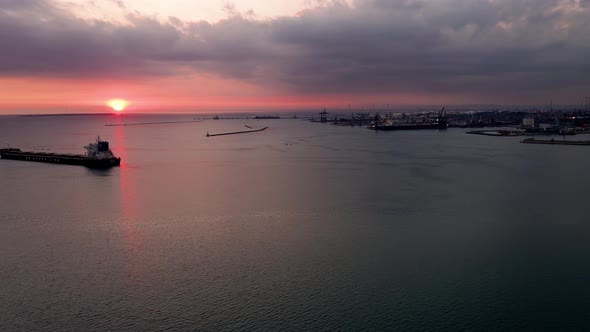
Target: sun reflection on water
<point x="130" y="212"/>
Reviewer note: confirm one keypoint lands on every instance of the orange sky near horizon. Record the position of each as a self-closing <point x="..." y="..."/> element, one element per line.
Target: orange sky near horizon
<point x="249" y="55"/>
<point x="186" y="92"/>
<point x="26" y="95"/>
<point x="164" y="94"/>
<point x="173" y="94"/>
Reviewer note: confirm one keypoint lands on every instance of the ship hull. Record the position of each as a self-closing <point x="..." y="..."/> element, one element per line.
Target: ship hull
<point x="54" y="158"/>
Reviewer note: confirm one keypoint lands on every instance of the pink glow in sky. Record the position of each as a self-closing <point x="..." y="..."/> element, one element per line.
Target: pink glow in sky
<point x="186" y="10"/>
<point x="251" y="54"/>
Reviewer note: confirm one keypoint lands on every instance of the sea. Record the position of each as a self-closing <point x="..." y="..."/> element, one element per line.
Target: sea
<point x="301" y="227"/>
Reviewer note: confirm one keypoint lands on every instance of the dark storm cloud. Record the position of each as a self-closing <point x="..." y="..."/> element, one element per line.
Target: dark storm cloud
<point x="506" y="48"/>
<point x="443" y="46"/>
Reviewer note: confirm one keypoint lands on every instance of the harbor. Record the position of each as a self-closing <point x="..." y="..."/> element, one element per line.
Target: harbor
<point x="292" y="202"/>
<point x="563" y="123"/>
<point x="489" y="123"/>
<point x="311" y="165"/>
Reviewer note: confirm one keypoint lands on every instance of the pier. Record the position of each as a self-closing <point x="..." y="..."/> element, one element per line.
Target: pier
<point x="237" y="132"/>
<point x="148" y="123"/>
<point x="496" y="132"/>
<point x="554" y="142"/>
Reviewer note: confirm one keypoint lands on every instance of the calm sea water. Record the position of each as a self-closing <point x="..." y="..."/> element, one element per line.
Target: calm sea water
<point x="304" y="226"/>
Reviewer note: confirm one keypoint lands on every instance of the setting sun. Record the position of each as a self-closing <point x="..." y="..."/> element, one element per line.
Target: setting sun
<point x="118" y="104"/>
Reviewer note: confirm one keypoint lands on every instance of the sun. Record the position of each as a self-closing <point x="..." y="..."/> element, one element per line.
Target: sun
<point x="118" y="104"/>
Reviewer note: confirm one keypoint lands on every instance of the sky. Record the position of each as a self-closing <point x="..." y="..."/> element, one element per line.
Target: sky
<point x="187" y="55"/>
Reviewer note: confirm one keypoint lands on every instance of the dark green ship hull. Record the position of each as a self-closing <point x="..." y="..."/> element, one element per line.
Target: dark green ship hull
<point x="55" y="158"/>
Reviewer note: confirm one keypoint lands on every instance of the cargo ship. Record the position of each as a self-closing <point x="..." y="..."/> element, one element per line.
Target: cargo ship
<point x="98" y="155"/>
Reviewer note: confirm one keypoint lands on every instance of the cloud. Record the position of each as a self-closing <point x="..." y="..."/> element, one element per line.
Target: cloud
<point x="482" y="48"/>
<point x="119" y="3"/>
